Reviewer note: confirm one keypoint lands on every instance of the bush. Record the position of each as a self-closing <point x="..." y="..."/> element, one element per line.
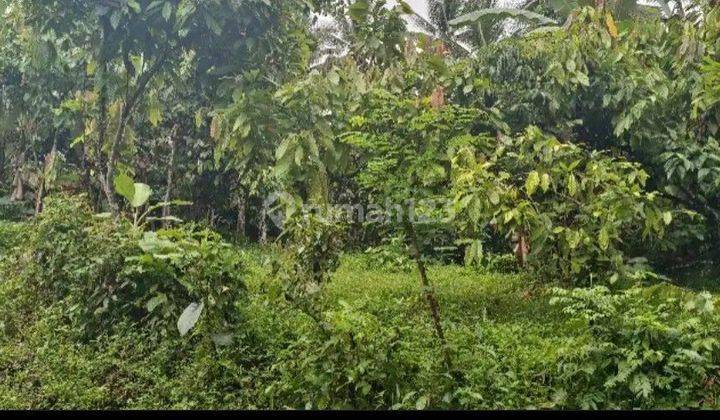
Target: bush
<point x="651" y="349"/>
<point x="393" y="254"/>
<point x="352" y="361"/>
<point x="184" y="265"/>
<point x="566" y="211"/>
<point x="102" y="270"/>
<point x="11" y="210"/>
<point x="312" y="253"/>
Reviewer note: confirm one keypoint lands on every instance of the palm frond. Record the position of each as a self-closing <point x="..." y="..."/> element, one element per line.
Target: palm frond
<point x="501" y="13"/>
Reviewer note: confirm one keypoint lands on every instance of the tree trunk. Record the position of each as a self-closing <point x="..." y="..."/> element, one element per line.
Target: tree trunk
<point x="84" y="154"/>
<point x="262" y="225"/>
<point x="2" y="157"/>
<point x="18" y="193"/>
<point x="39" y="197"/>
<point x="241" y="216"/>
<point x="87" y="178"/>
<point x="428" y="290"/>
<point x="170" y="175"/>
<point x="125" y="115"/>
<point x="110" y="172"/>
<point x="101" y="76"/>
<point x="49" y="162"/>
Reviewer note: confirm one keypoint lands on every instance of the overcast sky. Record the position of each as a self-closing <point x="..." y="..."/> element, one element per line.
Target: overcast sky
<point x="419" y="6"/>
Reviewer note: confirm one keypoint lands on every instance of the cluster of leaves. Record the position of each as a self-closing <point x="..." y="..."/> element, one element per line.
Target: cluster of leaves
<point x="314" y="243"/>
<point x="565" y="210"/>
<point x="354" y="361"/>
<point x="651" y="348"/>
<point x="103" y="271"/>
<point x="392" y="254"/>
<point x="640" y="90"/>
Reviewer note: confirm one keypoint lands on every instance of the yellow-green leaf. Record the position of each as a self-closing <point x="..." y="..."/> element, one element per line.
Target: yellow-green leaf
<point x="124" y="186"/>
<point x="667" y="217"/>
<point x="215" y="127"/>
<point x="610" y="23"/>
<point x="141" y="195"/>
<point x="154" y="114"/>
<point x="532" y="182"/>
<point x="545" y="182"/>
<point x="572" y="185"/>
<point x="604" y="239"/>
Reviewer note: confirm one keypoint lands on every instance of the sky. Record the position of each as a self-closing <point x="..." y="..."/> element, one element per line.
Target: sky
<point x="419" y="6"/>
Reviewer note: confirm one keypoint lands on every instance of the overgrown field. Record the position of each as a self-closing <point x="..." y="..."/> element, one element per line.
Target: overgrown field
<point x="514" y="342"/>
<point x="313" y="204"/>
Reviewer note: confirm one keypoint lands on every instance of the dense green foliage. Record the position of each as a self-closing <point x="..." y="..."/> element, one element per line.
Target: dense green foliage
<point x="487" y="214"/>
<point x="515" y="342"/>
<point x="100" y="272"/>
<point x="575" y="207"/>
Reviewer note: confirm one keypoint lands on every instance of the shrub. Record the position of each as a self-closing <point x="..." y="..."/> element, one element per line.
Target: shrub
<point x="392" y="255"/>
<point x="103" y="270"/>
<point x="651" y="349"/>
<point x="184" y="265"/>
<point x="352" y="361"/>
<point x="566" y="211"/>
<point x="313" y="247"/>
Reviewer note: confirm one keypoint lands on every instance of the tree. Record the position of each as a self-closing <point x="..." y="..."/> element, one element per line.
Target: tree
<point x="465" y="26"/>
<point x="133" y="42"/>
<point x="370" y="32"/>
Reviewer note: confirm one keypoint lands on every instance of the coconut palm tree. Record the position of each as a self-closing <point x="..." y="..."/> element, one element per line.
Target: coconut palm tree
<point x="467" y="25"/>
<point x="371" y="31"/>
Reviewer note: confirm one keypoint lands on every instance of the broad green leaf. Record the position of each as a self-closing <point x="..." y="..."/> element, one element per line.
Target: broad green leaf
<point x="359" y="10"/>
<point x="545" y="182"/>
<point x="215" y="127"/>
<point x="167" y="10"/>
<point x="125" y="186"/>
<point x="133" y="4"/>
<point x="154" y="113"/>
<point x="572" y="185"/>
<point x="405" y="7"/>
<point x="156" y="301"/>
<point x="532" y="182"/>
<point x="667" y="217"/>
<point x="610" y="23"/>
<point x="583" y="79"/>
<point x="189" y="317"/>
<point x="213" y="24"/>
<point x="604" y="239"/>
<point x="501" y="13"/>
<point x="142" y="194"/>
<point x="222" y="339"/>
